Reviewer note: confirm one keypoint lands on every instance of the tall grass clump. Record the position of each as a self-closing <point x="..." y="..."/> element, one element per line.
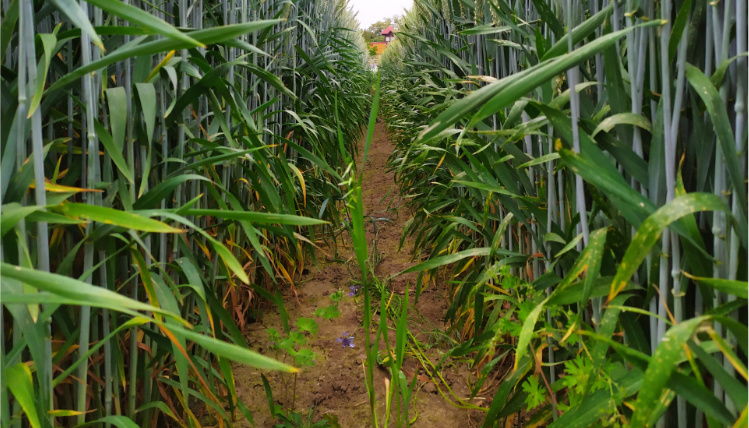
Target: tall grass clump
<point x="165" y="166"/>
<point x="577" y="172"/>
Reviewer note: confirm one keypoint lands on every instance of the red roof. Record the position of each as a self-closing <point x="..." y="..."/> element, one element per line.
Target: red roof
<point x="388" y="30"/>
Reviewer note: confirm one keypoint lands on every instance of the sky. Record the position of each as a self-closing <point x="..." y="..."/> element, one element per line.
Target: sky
<point x="371" y="11"/>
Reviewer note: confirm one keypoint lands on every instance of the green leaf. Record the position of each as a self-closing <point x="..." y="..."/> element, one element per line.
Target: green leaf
<point x="116" y="420"/>
<point x="307" y="324"/>
<point x="652" y="228"/>
<point x="18" y="379"/>
<point x="232" y="352"/>
<point x="622" y="119"/>
<point x="257" y="217"/>
<point x="505" y="388"/>
<point x="154" y="196"/>
<point x="736" y="288"/>
<point x="526" y="332"/>
<point x="79" y="18"/>
<point x="229" y="260"/>
<point x="723" y="130"/>
<point x="578" y="33"/>
<point x="147" y="97"/>
<point x="446" y="260"/>
<point x="661" y="366"/>
<point x="117" y="104"/>
<point x="677" y="31"/>
<point x="113" y="150"/>
<point x="207" y="36"/>
<point x="144" y="19"/>
<point x="72" y="290"/>
<point x="328" y="312"/>
<point x="540" y="160"/>
<point x="735" y="390"/>
<point x="600" y="403"/>
<point x="503" y="93"/>
<point x="48" y="45"/>
<point x="13" y="213"/>
<point x="115" y="217"/>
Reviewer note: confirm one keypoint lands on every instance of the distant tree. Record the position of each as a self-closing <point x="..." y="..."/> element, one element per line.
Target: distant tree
<point x="374" y="32"/>
<point x="372" y="51"/>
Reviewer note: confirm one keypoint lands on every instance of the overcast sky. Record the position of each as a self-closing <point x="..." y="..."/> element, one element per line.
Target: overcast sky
<point x="371" y="11"/>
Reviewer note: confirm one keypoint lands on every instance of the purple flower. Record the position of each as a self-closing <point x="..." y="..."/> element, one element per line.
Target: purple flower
<point x="346" y="340"/>
<point x="354" y="290"/>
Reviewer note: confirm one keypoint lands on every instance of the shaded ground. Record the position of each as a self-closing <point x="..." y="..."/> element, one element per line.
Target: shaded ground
<point x="335" y="385"/>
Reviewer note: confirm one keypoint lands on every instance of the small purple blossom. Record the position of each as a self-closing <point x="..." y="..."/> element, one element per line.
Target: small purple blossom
<point x="346" y="340"/>
<point x="354" y="290"/>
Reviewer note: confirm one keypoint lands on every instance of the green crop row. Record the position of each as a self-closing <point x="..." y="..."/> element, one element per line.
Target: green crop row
<point x="165" y="166"/>
<point x="577" y="173"/>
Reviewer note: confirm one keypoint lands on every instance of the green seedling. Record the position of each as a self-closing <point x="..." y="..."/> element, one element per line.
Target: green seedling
<point x="298" y="338"/>
<point x="308" y="325"/>
<point x="337" y="297"/>
<point x="304" y="357"/>
<point x="328" y="312"/>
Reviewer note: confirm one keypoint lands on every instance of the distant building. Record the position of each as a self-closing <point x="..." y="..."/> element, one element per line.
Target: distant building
<point x="389" y="34"/>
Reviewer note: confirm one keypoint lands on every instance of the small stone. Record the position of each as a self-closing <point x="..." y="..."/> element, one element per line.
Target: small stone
<point x="430" y="388"/>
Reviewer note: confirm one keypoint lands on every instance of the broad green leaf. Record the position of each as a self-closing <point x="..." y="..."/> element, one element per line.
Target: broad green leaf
<point x="7" y="27"/>
<point x="208" y="37"/>
<point x="48" y="45"/>
<point x="448" y="259"/>
<point x="117" y="103"/>
<point x="652" y="228"/>
<point x="13" y="213"/>
<point x="154" y="196"/>
<point x="232" y="352"/>
<point x="229" y="260"/>
<point x="257" y="217"/>
<point x="723" y="130"/>
<point x="540" y="160"/>
<point x="113" y="150"/>
<point x="622" y="119"/>
<point x="677" y="32"/>
<point x="727" y="381"/>
<point x="117" y="420"/>
<point x="579" y="33"/>
<point x="79" y="18"/>
<point x="660" y="368"/>
<point x="147" y="97"/>
<point x="18" y="379"/>
<point x="526" y="332"/>
<point x="73" y="290"/>
<point x="115" y="217"/>
<point x="736" y="288"/>
<point x="486" y="187"/>
<point x="592" y="254"/>
<point x="144" y="19"/>
<point x="503" y="93"/>
<point x="307" y="324"/>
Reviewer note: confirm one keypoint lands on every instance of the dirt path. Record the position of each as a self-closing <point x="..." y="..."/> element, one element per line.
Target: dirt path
<point x="335" y="385"/>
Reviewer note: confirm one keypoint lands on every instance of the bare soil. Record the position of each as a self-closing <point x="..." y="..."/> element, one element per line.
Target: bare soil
<point x="335" y="385"/>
